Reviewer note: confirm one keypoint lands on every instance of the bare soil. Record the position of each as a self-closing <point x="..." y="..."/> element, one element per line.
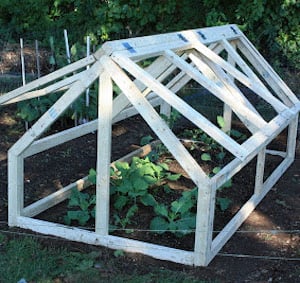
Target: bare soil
<point x="266" y="248"/>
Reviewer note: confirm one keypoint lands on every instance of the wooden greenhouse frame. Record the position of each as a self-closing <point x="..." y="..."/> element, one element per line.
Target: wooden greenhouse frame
<point x="196" y="55"/>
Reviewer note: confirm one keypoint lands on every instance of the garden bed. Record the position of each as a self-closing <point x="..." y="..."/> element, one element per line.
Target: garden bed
<point x="127" y="136"/>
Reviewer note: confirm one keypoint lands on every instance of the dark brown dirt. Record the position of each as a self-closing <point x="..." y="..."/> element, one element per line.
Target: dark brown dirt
<point x="262" y="250"/>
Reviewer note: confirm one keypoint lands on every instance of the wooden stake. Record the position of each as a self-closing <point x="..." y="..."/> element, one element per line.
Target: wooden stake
<point x="103" y="153"/>
<point x="37" y="55"/>
<point x="87" y="93"/>
<point x="23" y="72"/>
<point x="67" y="46"/>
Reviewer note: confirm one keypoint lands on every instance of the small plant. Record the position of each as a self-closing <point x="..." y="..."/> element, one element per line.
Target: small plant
<point x="158" y="150"/>
<point x="85" y="203"/>
<point x="31" y="110"/>
<point x="130" y="185"/>
<point x="178" y="217"/>
<point x="171" y="120"/>
<point x="119" y="253"/>
<point x="223" y="203"/>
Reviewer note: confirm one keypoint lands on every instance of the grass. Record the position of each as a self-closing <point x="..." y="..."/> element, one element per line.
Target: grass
<point x="28" y="259"/>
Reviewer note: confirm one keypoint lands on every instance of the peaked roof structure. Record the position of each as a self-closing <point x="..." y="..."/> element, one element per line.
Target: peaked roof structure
<point x="150" y="71"/>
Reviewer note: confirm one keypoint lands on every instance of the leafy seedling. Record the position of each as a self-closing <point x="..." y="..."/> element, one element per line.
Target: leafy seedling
<point x="85" y="205"/>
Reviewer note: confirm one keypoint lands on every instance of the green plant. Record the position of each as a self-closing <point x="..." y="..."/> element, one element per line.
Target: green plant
<point x="157" y="150"/>
<point x="172" y="118"/>
<point x="30" y="110"/>
<point x="130" y="188"/>
<point x="210" y="150"/>
<point x="131" y="184"/>
<point x="85" y="203"/>
<point x="199" y="140"/>
<point x="178" y="217"/>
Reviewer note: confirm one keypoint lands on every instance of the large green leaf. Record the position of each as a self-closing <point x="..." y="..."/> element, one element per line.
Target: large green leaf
<point x="221" y="122"/>
<point x="92" y="176"/>
<point x="161" y="209"/>
<point x="186" y="224"/>
<point x="205" y="157"/>
<point x="159" y="225"/>
<point x="181" y="206"/>
<point x="139" y="185"/>
<point x="223" y="203"/>
<point x="120" y="202"/>
<point x="164" y="166"/>
<point x="122" y="166"/>
<point x="173" y="177"/>
<point x="148" y="199"/>
<point x="81" y="216"/>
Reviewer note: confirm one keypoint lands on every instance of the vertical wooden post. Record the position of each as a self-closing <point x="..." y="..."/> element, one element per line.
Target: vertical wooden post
<point x="204" y="224"/>
<point x="103" y="153"/>
<point x="227" y="112"/>
<point x="260" y="168"/>
<point x="15" y="187"/>
<point x="292" y="138"/>
<point x="165" y="109"/>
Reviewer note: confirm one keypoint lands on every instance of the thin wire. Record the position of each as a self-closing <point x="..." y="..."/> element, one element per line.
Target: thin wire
<point x="259" y="257"/>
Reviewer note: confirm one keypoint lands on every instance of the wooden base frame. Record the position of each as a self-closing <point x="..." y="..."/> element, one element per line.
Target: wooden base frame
<point x="25" y="219"/>
<point x="193" y="55"/>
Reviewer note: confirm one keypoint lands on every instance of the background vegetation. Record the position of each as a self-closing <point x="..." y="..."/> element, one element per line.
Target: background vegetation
<point x="273" y="25"/>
